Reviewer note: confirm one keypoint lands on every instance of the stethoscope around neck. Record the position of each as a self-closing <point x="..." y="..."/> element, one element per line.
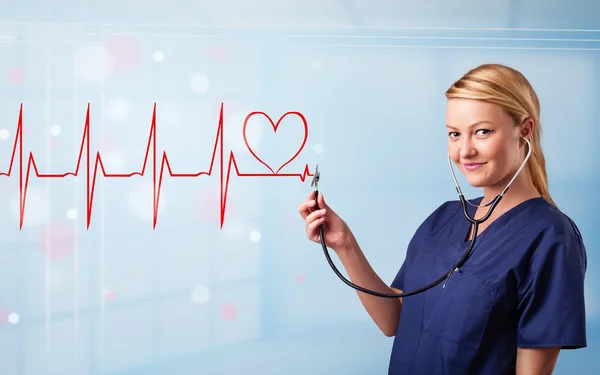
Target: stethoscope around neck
<point x="475" y="222"/>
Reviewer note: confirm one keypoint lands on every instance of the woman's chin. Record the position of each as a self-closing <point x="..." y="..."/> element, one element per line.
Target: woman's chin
<point x="478" y="182"/>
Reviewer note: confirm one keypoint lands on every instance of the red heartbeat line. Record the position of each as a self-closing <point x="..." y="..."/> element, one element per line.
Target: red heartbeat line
<point x="157" y="178"/>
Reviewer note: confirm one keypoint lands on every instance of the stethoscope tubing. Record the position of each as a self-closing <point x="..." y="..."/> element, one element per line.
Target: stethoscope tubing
<point x="457" y="265"/>
<point x="445" y="276"/>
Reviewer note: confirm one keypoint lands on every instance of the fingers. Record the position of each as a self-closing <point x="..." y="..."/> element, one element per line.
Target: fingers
<point x="321" y="200"/>
<point x="316" y="215"/>
<point x="313" y="217"/>
<point x="309" y="205"/>
<point x="313" y="221"/>
<point x="306" y="208"/>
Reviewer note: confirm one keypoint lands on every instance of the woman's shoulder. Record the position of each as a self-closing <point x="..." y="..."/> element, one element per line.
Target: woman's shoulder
<point x="537" y="219"/>
<point x="553" y="233"/>
<point x="548" y="221"/>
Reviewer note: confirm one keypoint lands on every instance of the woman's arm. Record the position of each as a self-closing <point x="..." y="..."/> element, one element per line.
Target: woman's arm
<point x="385" y="312"/>
<point x="536" y="361"/>
<point x="551" y="303"/>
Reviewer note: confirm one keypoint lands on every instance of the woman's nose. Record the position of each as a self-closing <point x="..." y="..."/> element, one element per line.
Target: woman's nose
<point x="467" y="149"/>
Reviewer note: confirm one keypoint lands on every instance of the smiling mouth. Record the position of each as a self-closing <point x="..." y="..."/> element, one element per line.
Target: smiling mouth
<point x="472" y="166"/>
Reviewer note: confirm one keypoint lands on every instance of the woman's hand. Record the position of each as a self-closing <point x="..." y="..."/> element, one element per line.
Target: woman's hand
<point x="336" y="231"/>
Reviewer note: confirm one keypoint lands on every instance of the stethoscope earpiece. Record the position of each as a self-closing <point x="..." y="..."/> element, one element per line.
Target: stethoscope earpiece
<point x="460" y="262"/>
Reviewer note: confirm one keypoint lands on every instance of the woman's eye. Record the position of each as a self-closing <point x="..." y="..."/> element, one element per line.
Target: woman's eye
<point x="483" y="131"/>
<point x="453" y="134"/>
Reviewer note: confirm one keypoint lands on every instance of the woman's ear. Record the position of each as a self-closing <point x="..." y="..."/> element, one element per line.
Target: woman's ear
<point x="527" y="128"/>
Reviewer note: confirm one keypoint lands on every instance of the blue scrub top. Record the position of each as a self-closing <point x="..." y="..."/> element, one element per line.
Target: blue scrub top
<point x="523" y="286"/>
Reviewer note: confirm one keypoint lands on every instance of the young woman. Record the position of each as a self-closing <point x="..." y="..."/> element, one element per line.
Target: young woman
<point x="519" y="298"/>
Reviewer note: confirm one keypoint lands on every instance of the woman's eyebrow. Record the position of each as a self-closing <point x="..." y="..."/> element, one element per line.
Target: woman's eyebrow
<point x="472" y="125"/>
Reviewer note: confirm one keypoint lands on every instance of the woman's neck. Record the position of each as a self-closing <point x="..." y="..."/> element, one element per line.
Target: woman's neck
<point x="520" y="190"/>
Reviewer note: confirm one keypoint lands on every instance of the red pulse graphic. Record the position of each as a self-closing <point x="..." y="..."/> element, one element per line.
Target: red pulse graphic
<point x="275" y="126"/>
<point x="91" y="174"/>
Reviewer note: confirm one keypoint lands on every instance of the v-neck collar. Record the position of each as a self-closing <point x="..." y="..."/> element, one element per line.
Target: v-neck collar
<point x="502" y="220"/>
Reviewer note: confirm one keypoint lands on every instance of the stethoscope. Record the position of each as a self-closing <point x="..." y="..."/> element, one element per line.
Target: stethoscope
<point x="461" y="261"/>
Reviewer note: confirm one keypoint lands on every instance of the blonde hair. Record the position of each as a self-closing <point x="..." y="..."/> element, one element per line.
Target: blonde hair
<point x="508" y="88"/>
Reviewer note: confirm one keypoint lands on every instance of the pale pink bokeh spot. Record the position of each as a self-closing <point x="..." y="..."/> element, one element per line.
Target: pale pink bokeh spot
<point x="110" y="295"/>
<point x="228" y="311"/>
<point x="3" y="316"/>
<point x="107" y="143"/>
<point x="58" y="240"/>
<point x="300" y="278"/>
<point x="125" y="52"/>
<point x="54" y="144"/>
<point x="27" y="131"/>
<point x="15" y="75"/>
<point x="209" y="206"/>
<point x="218" y="54"/>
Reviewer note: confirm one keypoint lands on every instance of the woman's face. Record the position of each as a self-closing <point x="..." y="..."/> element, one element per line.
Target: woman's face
<point x="483" y="141"/>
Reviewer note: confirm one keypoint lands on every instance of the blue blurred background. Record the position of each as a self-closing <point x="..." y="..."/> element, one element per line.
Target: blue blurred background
<point x="253" y="297"/>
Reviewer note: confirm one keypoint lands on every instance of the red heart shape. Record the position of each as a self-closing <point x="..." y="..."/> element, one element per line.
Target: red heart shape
<point x="275" y="126"/>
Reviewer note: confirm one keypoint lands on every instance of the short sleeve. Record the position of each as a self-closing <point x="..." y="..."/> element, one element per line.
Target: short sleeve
<point x="398" y="281"/>
<point x="551" y="296"/>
